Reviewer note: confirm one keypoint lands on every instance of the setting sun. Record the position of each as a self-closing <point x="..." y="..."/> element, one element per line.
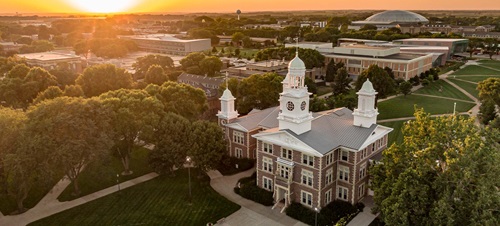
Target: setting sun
<point x="103" y="6"/>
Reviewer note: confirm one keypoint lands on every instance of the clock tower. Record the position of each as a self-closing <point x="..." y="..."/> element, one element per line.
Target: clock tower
<point x="294" y="100"/>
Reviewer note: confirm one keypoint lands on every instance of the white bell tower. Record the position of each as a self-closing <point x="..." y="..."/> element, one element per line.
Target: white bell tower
<point x="227" y="112"/>
<point x="366" y="113"/>
<point x="294" y="100"/>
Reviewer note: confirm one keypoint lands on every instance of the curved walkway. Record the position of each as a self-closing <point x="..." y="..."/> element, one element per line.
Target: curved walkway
<point x="251" y="213"/>
<point x="49" y="205"/>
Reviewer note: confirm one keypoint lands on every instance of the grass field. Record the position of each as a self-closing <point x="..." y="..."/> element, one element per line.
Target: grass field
<point x="322" y="90"/>
<point x="488" y="61"/>
<point x="492" y="65"/>
<point x="447" y="90"/>
<point x="102" y="173"/>
<point x="404" y="106"/>
<point x="467" y="86"/>
<point x="475" y="78"/>
<point x="8" y="204"/>
<point x="161" y="201"/>
<point x="395" y="135"/>
<point x="475" y="70"/>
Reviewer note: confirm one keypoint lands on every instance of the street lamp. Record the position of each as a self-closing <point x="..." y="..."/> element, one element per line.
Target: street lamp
<point x="188" y="160"/>
<point x="118" y="181"/>
<point x="316" y="209"/>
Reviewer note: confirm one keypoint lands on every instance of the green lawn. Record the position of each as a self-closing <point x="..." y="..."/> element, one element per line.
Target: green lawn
<point x="488" y="61"/>
<point x="395" y="135"/>
<point x="102" y="174"/>
<point x="404" y="106"/>
<point x="161" y="201"/>
<point x="322" y="90"/>
<point x="476" y="70"/>
<point x="467" y="86"/>
<point x="492" y="65"/>
<point x="447" y="90"/>
<point x="474" y="78"/>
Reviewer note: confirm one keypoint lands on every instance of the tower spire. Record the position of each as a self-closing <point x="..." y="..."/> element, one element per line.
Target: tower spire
<point x="227" y="75"/>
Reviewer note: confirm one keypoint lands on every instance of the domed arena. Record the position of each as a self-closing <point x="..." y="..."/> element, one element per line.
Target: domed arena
<point x="390" y="18"/>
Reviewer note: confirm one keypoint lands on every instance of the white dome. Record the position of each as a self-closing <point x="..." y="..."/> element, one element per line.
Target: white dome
<point x="399" y="16"/>
<point x="367" y="87"/>
<point x="226" y="95"/>
<point x="296" y="63"/>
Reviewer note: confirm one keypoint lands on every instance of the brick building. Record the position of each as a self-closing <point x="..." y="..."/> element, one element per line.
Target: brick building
<point x="305" y="157"/>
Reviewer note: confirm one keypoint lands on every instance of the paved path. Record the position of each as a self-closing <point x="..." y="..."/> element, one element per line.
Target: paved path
<point x="447" y="98"/>
<point x="251" y="213"/>
<point x="463" y="80"/>
<point x="50" y="205"/>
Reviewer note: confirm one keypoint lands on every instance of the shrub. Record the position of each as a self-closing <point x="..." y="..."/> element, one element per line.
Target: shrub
<point x="228" y="165"/>
<point x="250" y="191"/>
<point x="425" y="82"/>
<point x="306" y="215"/>
<point x="334" y="213"/>
<point x="345" y="220"/>
<point x="360" y="206"/>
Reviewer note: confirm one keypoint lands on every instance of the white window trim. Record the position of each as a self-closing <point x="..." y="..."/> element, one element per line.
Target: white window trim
<point x="346" y="193"/>
<point x="238" y="152"/>
<point x="361" y="190"/>
<point x="267" y="146"/>
<point x="362" y="171"/>
<point x="238" y="137"/>
<point x="302" y="193"/>
<point x="340" y="155"/>
<point x="342" y="170"/>
<point x="269" y="162"/>
<point x="309" y="158"/>
<point x="329" y="176"/>
<point x="286" y="150"/>
<point x="269" y="182"/>
<point x="328" y="197"/>
<point x="309" y="175"/>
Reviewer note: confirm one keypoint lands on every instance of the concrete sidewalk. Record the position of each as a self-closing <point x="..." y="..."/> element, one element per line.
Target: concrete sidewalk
<point x="251" y="213"/>
<point x="50" y="205"/>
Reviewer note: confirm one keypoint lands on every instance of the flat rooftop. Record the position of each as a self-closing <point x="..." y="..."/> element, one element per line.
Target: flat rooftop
<point x="359" y="46"/>
<point x="160" y="37"/>
<point x="398" y="56"/>
<point x="433" y="39"/>
<point x="46" y="56"/>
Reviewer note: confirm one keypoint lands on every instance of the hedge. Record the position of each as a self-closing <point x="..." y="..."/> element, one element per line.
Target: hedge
<point x="228" y="165"/>
<point x="248" y="189"/>
<point x="336" y="213"/>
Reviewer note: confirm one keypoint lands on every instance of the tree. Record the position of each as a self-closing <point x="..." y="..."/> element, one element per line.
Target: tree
<point x="36" y="81"/>
<point x="181" y="99"/>
<point x="368" y="27"/>
<point x="48" y="94"/>
<point x="311" y="57"/>
<point x="405" y="87"/>
<point x="208" y="145"/>
<point x="487" y="111"/>
<point x="72" y="131"/>
<point x="258" y="91"/>
<point x="171" y="144"/>
<point x="318" y="104"/>
<point x="341" y="83"/>
<point x="43" y="33"/>
<point x="73" y="91"/>
<point x="64" y="75"/>
<point x="211" y="65"/>
<point x="133" y="116"/>
<point x="432" y="178"/>
<point x="492" y="47"/>
<point x="155" y="75"/>
<point x="382" y="82"/>
<point x="490" y="89"/>
<point x="19" y="71"/>
<point x="331" y="70"/>
<point x="142" y="65"/>
<point x="191" y="60"/>
<point x="237" y="37"/>
<point x="311" y="85"/>
<point x="102" y="78"/>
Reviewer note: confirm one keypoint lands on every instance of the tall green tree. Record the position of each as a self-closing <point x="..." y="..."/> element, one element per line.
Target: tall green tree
<point x="208" y="145"/>
<point x="342" y="82"/>
<point x="211" y="65"/>
<point x="443" y="173"/>
<point x="102" y="78"/>
<point x="133" y="116"/>
<point x="490" y="89"/>
<point x="50" y="93"/>
<point x="258" y="91"/>
<point x="155" y="75"/>
<point x="36" y="81"/>
<point x="18" y="71"/>
<point x="405" y="87"/>
<point x="380" y="79"/>
<point x="72" y="131"/>
<point x="172" y="144"/>
<point x="192" y="60"/>
<point x="181" y="99"/>
<point x="73" y="91"/>
<point x="142" y="65"/>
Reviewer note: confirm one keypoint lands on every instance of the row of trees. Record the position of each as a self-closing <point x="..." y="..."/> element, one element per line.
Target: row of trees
<point x="489" y="95"/>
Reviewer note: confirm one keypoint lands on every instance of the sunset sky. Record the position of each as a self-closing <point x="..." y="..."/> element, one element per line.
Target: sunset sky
<point x="133" y="6"/>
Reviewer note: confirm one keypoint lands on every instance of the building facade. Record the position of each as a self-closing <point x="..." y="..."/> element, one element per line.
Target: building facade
<point x="208" y="84"/>
<point x="305" y="157"/>
<point x="358" y="58"/>
<point x="168" y="44"/>
<point x="52" y="60"/>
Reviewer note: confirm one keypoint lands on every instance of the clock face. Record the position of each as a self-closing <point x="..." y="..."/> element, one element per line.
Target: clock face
<point x="290" y="106"/>
<point x="303" y="105"/>
<point x="223" y="121"/>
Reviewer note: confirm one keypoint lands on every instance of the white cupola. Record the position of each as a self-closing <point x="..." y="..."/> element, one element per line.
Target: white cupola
<point x="294" y="100"/>
<point x="227" y="111"/>
<point x="366" y="113"/>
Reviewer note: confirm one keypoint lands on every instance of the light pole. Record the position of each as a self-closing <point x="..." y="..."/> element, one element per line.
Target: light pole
<point x="118" y="181"/>
<point x="316" y="209"/>
<point x="188" y="160"/>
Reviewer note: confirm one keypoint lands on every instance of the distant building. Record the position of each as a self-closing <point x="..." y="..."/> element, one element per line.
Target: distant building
<point x="454" y="45"/>
<point x="304" y="157"/>
<point x="261" y="67"/>
<point x="208" y="84"/>
<point x="390" y="19"/>
<point x="10" y="46"/>
<point x="51" y="60"/>
<point x="168" y="44"/>
<point x="322" y="47"/>
<point x="357" y="58"/>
